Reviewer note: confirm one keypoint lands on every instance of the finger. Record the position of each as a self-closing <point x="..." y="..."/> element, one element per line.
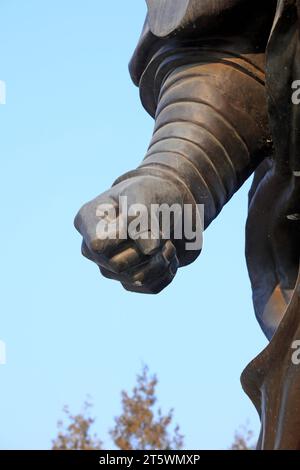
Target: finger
<point x="162" y="261"/>
<point x="91" y="255"/>
<point x="155" y="269"/>
<point x="157" y="264"/>
<point x="169" y="250"/>
<point x="100" y="260"/>
<point x="121" y="265"/>
<point x="154" y="287"/>
<point x="110" y="275"/>
<point x="126" y="260"/>
<point x="132" y="257"/>
<point x="86" y="252"/>
<point x="161" y="267"/>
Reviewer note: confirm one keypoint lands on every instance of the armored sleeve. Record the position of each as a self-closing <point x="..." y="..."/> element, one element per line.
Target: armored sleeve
<point x="201" y="75"/>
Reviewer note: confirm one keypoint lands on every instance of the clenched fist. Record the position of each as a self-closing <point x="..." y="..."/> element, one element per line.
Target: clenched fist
<point x="146" y="263"/>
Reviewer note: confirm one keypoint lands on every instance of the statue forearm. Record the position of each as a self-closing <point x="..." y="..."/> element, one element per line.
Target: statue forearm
<point x="210" y="126"/>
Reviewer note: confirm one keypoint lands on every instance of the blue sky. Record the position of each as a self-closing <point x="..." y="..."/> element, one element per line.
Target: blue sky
<point x="72" y="124"/>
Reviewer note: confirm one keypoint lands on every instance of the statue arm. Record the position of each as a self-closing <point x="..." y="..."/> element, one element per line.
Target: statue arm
<point x="207" y="95"/>
<point x="209" y="104"/>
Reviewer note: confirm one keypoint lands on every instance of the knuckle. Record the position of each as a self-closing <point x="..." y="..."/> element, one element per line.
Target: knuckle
<point x="115" y="267"/>
<point x="85" y="252"/>
<point x="96" y="245"/>
<point x="80" y="217"/>
<point x="168" y="250"/>
<point x="78" y="221"/>
<point x="108" y="274"/>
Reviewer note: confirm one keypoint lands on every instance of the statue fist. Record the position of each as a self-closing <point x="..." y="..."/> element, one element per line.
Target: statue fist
<point x="143" y="260"/>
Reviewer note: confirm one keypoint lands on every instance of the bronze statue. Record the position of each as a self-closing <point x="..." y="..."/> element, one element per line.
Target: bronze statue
<point x="219" y="77"/>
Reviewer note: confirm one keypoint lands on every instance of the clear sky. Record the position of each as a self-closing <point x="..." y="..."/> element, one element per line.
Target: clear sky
<point x="72" y="124"/>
